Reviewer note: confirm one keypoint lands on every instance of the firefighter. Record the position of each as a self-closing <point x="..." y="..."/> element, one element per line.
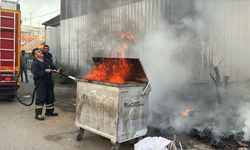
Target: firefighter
<point x="42" y="70"/>
<point x="48" y="56"/>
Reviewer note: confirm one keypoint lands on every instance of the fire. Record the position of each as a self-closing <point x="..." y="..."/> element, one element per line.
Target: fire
<point x="126" y="35"/>
<point x="186" y="112"/>
<point x="122" y="50"/>
<point x="113" y="70"/>
<point x="110" y="70"/>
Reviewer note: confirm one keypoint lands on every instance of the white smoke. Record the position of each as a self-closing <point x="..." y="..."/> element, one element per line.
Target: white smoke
<point x="167" y="55"/>
<point x="244" y="112"/>
<point x="165" y="74"/>
<point x="179" y="53"/>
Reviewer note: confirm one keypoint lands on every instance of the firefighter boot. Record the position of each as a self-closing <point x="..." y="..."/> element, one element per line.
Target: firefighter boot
<point x="39" y="117"/>
<point x="39" y="110"/>
<point x="51" y="114"/>
<point x="50" y="110"/>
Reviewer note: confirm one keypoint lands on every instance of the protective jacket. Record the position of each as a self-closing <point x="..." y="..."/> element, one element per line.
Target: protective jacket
<point x="48" y="56"/>
<point x="44" y="85"/>
<point x="38" y="71"/>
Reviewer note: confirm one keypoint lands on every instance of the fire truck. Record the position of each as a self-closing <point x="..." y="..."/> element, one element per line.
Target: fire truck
<point x="9" y="47"/>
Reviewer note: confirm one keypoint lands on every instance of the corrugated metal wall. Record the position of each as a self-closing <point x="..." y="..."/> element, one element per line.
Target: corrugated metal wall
<point x="74" y="8"/>
<point x="223" y="39"/>
<point x="53" y="40"/>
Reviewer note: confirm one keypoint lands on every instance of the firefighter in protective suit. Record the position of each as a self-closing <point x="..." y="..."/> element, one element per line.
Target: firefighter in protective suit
<point x="42" y="74"/>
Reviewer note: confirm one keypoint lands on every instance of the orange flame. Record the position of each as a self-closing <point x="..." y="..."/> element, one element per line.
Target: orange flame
<point x="110" y="70"/>
<point x="186" y="112"/>
<point x="114" y="71"/>
<point x="126" y="35"/>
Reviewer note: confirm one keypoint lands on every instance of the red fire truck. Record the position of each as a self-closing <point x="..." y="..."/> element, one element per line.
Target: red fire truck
<point x="9" y="47"/>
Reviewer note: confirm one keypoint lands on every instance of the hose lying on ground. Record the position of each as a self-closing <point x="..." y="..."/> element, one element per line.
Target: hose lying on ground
<point x="33" y="96"/>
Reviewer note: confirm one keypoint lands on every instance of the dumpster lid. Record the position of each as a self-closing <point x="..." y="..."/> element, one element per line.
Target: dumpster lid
<point x="130" y="69"/>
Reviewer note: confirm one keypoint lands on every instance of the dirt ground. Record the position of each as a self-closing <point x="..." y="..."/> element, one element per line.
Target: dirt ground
<point x="20" y="131"/>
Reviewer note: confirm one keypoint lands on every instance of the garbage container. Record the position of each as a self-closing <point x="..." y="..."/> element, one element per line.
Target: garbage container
<point x="116" y="111"/>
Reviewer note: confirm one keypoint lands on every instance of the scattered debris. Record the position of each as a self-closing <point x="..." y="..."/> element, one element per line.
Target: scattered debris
<point x="202" y="135"/>
<point x="155" y="143"/>
<point x="242" y="144"/>
<point x="233" y="141"/>
<point x="169" y="133"/>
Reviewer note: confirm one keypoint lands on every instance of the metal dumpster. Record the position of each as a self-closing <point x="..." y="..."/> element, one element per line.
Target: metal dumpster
<point x="117" y="111"/>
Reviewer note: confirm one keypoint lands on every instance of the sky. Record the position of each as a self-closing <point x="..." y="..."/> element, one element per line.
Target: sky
<point x="38" y="10"/>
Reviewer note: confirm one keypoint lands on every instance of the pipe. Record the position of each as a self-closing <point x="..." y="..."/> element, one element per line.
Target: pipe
<point x="71" y="77"/>
<point x="60" y="71"/>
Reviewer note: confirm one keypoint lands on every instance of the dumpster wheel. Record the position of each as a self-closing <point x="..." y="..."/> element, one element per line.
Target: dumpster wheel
<point x="80" y="134"/>
<point x="136" y="140"/>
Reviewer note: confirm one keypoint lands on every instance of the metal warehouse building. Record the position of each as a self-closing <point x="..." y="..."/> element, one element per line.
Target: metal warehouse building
<point x="205" y="33"/>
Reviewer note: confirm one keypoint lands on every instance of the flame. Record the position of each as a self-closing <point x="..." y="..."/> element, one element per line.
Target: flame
<point x="122" y="50"/>
<point x="113" y="70"/>
<point x="110" y="70"/>
<point x="186" y="112"/>
<point x="126" y="35"/>
<point x="123" y="34"/>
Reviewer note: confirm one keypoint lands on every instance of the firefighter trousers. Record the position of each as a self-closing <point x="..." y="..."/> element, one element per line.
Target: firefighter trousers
<point x="44" y="96"/>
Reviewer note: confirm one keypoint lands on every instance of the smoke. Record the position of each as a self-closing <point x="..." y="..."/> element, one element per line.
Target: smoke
<point x="171" y="57"/>
<point x="245" y="115"/>
<point x="178" y="52"/>
<point x="167" y="57"/>
<point x="165" y="74"/>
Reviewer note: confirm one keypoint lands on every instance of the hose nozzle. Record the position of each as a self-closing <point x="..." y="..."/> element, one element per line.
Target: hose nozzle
<point x="71" y="77"/>
<point x="60" y="71"/>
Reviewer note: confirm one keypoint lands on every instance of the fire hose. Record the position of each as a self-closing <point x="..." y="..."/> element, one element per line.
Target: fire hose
<point x="59" y="71"/>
